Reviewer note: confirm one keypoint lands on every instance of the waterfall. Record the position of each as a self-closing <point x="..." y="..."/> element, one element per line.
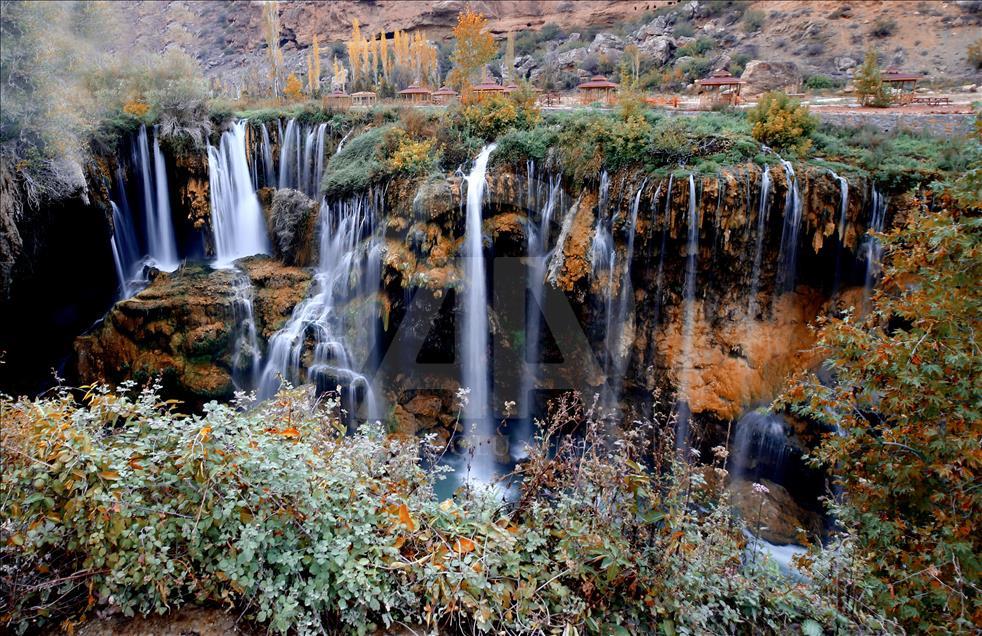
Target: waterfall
<point x="688" y="328"/>
<point x="602" y="244"/>
<point x="617" y="355"/>
<point x="236" y="218"/>
<point x="156" y="204"/>
<point x="538" y="255"/>
<point x="349" y="268"/>
<point x="302" y="157"/>
<point x="289" y="145"/>
<point x="660" y="274"/>
<point x="788" y="255"/>
<point x="762" y="209"/>
<point x="759" y="447"/>
<point x="843" y="203"/>
<point x="269" y="178"/>
<point x="126" y="255"/>
<point x="246" y="354"/>
<point x="474" y="342"/>
<point x="872" y="248"/>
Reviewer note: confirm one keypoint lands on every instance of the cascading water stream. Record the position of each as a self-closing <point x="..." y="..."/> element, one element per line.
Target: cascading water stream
<point x="872" y="248"/>
<point x="843" y="203"/>
<point x="474" y="340"/>
<point x="302" y="157"/>
<point x="760" y="446"/>
<point x="161" y="247"/>
<point x="688" y="323"/>
<point x="539" y="253"/>
<point x="617" y="353"/>
<point x="660" y="274"/>
<point x="788" y="254"/>
<point x="236" y="217"/>
<point x="246" y="353"/>
<point x="349" y="268"/>
<point x="126" y="255"/>
<point x="762" y="209"/>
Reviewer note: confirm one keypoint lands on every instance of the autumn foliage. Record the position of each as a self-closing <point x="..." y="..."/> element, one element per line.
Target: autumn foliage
<point x="474" y="48"/>
<point x="905" y="409"/>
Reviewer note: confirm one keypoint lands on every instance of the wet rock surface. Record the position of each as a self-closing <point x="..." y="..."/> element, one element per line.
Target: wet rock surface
<point x="181" y="328"/>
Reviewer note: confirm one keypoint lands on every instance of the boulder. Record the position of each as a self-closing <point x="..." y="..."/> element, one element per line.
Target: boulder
<point x="843" y="64"/>
<point x="762" y="76"/>
<point x="425" y="405"/>
<point x="524" y="65"/>
<point x="659" y="48"/>
<point x="569" y="60"/>
<point x="607" y="44"/>
<point x="657" y="27"/>
<point x="772" y="514"/>
<point x="293" y="226"/>
<point x="404" y="421"/>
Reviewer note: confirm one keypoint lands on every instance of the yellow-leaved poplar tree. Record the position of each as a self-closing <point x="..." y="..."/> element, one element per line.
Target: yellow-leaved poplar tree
<point x="474" y="48"/>
<point x="293" y="88"/>
<point x="271" y="33"/>
<point x="314" y="68"/>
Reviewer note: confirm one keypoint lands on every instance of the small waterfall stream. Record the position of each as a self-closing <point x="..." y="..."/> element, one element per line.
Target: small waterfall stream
<point x="539" y="254"/>
<point x="762" y="209"/>
<point x="161" y="246"/>
<point x="302" y="157"/>
<point x="126" y="252"/>
<point x="759" y="447"/>
<point x="788" y="255"/>
<point x="246" y="353"/>
<point x="348" y="269"/>
<point x="236" y="216"/>
<point x="474" y="335"/>
<point x="688" y="322"/>
<point x="872" y="248"/>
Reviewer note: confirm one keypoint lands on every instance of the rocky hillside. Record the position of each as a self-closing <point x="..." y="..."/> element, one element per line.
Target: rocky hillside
<point x="821" y="37"/>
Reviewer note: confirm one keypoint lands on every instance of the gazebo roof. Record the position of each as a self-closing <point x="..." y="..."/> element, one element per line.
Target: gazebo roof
<point x="445" y="90"/>
<point x="415" y="89"/>
<point x="364" y="94"/>
<point x="511" y="88"/>
<point x="337" y="93"/>
<point x="598" y="81"/>
<point x="893" y="75"/>
<point x="489" y="85"/>
<point x="721" y="77"/>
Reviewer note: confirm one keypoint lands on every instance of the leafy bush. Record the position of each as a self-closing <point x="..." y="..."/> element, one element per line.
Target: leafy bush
<point x="821" y="82"/>
<point x="883" y="27"/>
<point x="359" y="164"/>
<point x="119" y="504"/>
<point x="782" y="123"/>
<point x="411" y="156"/>
<point x="683" y="29"/>
<point x="517" y="146"/>
<point x="753" y="20"/>
<point x="907" y="400"/>
<point x="699" y="47"/>
<point x="869" y="85"/>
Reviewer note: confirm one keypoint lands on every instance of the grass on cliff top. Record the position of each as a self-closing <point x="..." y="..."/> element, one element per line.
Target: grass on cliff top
<point x="582" y="143"/>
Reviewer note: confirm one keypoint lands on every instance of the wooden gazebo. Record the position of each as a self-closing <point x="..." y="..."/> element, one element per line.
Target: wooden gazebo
<point x="510" y="88"/>
<point x="720" y="88"/>
<point x="597" y="89"/>
<point x="416" y="94"/>
<point x="364" y="98"/>
<point x="487" y="87"/>
<point x="444" y="95"/>
<point x="337" y="100"/>
<point x="901" y="85"/>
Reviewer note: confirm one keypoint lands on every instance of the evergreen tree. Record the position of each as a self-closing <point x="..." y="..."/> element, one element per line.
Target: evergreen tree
<point x="868" y="83"/>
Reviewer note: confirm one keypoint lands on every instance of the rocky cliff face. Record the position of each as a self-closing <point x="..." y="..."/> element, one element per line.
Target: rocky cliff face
<point x="827" y="37"/>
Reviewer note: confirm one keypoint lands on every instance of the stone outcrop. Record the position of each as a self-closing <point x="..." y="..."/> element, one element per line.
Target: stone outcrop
<point x="762" y="76"/>
<point x="292" y="220"/>
<point x="182" y="325"/>
<point x="772" y="514"/>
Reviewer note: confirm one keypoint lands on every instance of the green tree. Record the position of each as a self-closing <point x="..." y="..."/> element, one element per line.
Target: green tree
<point x="906" y="403"/>
<point x="869" y="85"/>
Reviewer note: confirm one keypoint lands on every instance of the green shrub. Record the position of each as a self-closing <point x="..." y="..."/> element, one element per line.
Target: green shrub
<point x="697" y="48"/>
<point x="118" y="504"/>
<point x="753" y="20"/>
<point x="883" y="27"/>
<point x="782" y="123"/>
<point x="683" y="29"/>
<point x="517" y="146"/>
<point x="821" y="82"/>
<point x="359" y="164"/>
